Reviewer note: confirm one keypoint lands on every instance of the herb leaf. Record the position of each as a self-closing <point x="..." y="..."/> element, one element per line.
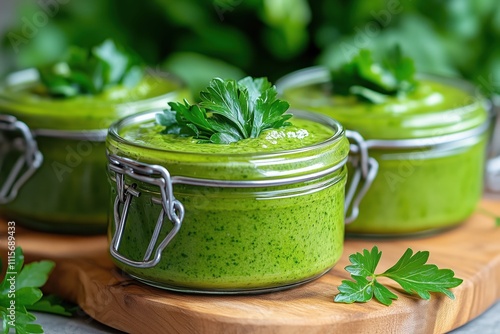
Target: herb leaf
<point x="55" y="305"/>
<point x="383" y="294"/>
<point x="373" y="81"/>
<point x="358" y="291"/>
<point x="415" y="276"/>
<point x="91" y="71"/>
<point x="229" y="111"/>
<point x="364" y="264"/>
<point x="27" y="281"/>
<point x="225" y="99"/>
<point x="34" y="274"/>
<point x="411" y="272"/>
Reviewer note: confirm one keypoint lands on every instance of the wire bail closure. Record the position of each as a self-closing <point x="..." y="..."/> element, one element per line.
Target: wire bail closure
<point x="365" y="171"/>
<point x="27" y="163"/>
<point x="171" y="208"/>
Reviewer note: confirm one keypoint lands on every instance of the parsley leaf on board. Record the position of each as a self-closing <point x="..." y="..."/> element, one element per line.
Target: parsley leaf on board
<point x="411" y="272"/>
<point x="229" y="111"/>
<point x="19" y="290"/>
<point x="373" y="81"/>
<point x="91" y="71"/>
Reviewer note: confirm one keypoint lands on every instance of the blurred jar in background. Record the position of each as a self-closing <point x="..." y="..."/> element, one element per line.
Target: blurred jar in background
<point x="430" y="146"/>
<point x="52" y="145"/>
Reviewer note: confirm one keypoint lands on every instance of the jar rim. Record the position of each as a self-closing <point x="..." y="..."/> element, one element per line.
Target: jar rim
<point x="320" y="74"/>
<point x="419" y="125"/>
<point x="49" y="113"/>
<point x="313" y="158"/>
<point x="339" y="133"/>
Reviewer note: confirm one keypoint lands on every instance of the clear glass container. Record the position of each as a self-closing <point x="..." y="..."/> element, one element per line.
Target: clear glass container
<point x="52" y="150"/>
<point x="430" y="147"/>
<point x="213" y="218"/>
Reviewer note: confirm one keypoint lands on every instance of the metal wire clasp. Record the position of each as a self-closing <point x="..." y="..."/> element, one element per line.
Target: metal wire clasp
<point x="365" y="171"/>
<point x="171" y="208"/>
<point x="27" y="163"/>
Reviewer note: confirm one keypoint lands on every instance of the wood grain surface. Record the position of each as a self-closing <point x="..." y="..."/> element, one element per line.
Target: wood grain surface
<point x="84" y="274"/>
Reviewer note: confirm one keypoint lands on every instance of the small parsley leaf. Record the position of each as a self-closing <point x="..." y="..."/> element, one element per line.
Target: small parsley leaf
<point x="91" y="71"/>
<point x="364" y="264"/>
<point x="229" y="111"/>
<point x="411" y="272"/>
<point x="361" y="290"/>
<point x="374" y="81"/>
<point x="383" y="294"/>
<point x="415" y="276"/>
<point x="54" y="305"/>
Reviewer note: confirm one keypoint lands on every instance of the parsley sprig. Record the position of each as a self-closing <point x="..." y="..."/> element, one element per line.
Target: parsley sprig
<point x="20" y="292"/>
<point x="411" y="272"/>
<point x="91" y="71"/>
<point x="372" y="80"/>
<point x="229" y="111"/>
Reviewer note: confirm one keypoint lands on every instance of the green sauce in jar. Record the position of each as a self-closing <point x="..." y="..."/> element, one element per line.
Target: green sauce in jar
<point x="66" y="193"/>
<point x="243" y="238"/>
<point x="301" y="133"/>
<point x="430" y="184"/>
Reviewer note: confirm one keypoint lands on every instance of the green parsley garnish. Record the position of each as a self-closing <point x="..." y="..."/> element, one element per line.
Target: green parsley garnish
<point x="411" y="272"/>
<point x="19" y="290"/>
<point x="229" y="111"/>
<point x="91" y="71"/>
<point x="373" y="81"/>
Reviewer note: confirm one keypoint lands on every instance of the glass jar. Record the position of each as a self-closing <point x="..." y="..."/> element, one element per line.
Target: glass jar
<point x="430" y="147"/>
<point x="52" y="150"/>
<point x="214" y="218"/>
<point x="492" y="184"/>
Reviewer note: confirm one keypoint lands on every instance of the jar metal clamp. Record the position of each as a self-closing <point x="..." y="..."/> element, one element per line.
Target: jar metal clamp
<point x="29" y="160"/>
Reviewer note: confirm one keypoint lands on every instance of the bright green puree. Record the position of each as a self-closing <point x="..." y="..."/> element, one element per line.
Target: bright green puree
<point x="235" y="239"/>
<point x="68" y="193"/>
<point x="419" y="189"/>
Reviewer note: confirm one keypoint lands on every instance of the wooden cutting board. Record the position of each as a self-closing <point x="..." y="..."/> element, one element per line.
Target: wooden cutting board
<point x="84" y="274"/>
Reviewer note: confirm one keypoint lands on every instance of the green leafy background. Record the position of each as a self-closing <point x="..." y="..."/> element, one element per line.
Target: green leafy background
<point x="199" y="39"/>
